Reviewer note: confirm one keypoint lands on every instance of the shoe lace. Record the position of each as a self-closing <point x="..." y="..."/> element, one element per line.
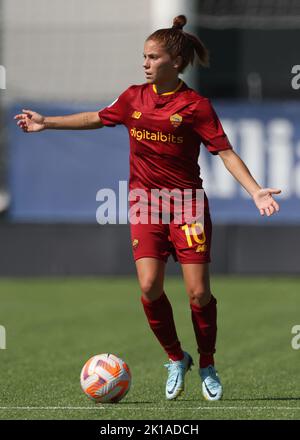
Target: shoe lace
<point x="174" y="367"/>
<point x="212" y="380"/>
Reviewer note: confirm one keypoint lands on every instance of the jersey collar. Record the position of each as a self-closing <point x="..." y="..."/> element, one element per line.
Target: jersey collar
<point x="168" y="96"/>
<point x="168" y="93"/>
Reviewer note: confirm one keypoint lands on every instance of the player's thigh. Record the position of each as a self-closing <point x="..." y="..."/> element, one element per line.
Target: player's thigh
<point x="151" y="273"/>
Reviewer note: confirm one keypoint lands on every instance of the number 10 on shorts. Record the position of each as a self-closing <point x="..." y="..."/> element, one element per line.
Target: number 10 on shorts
<point x="191" y="233"/>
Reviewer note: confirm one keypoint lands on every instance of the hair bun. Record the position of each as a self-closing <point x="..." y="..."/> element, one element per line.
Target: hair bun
<point x="179" y="21"/>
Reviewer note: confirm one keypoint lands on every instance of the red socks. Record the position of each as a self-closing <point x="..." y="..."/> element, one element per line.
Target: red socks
<point x="160" y="318"/>
<point x="205" y="328"/>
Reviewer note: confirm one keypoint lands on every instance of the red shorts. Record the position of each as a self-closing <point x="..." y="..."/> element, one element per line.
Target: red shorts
<point x="187" y="243"/>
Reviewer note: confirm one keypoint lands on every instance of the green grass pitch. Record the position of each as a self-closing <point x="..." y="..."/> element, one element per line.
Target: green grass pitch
<point x="54" y="325"/>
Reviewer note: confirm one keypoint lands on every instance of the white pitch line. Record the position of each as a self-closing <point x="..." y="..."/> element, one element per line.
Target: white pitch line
<point x="85" y="408"/>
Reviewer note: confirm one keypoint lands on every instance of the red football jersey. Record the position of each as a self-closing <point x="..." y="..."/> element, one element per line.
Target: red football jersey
<point x="165" y="134"/>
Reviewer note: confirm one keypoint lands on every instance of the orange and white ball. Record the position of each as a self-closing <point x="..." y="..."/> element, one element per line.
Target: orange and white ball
<point x="105" y="378"/>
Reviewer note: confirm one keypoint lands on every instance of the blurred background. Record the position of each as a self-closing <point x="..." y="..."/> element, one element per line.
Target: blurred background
<point x="62" y="57"/>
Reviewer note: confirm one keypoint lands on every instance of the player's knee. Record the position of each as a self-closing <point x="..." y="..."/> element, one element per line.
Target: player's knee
<point x="150" y="289"/>
<point x="199" y="296"/>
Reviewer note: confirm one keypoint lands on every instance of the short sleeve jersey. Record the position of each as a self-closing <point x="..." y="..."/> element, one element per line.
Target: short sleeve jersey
<point x="165" y="132"/>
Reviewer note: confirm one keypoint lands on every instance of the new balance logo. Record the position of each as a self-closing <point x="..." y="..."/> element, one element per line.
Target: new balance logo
<point x="136" y="115"/>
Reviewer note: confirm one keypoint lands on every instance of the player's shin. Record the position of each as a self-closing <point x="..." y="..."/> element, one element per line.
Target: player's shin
<point x="160" y="318"/>
<point x="205" y="328"/>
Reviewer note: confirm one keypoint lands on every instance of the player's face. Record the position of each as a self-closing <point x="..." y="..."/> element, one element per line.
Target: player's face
<point x="158" y="65"/>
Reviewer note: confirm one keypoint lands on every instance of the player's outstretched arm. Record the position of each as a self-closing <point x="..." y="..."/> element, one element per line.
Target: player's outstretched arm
<point x="262" y="197"/>
<point x="30" y="121"/>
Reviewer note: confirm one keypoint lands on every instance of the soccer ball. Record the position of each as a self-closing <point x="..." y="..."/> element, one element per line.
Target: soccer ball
<point x="105" y="378"/>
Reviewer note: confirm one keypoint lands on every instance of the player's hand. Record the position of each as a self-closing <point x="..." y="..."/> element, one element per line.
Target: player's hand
<point x="30" y="121"/>
<point x="264" y="201"/>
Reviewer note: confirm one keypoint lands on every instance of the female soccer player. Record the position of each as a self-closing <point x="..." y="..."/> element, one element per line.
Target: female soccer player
<point x="167" y="121"/>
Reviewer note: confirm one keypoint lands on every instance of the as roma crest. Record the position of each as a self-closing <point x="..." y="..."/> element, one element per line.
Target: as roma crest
<point x="135" y="243"/>
<point x="176" y="120"/>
